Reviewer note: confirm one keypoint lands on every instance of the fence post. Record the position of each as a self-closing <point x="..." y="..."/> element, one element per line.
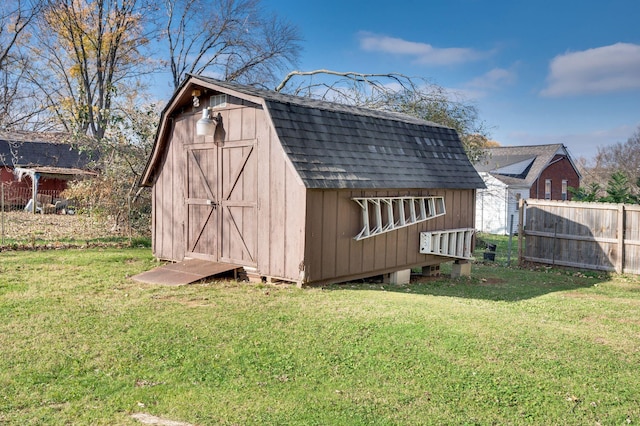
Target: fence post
<point x="620" y="259"/>
<point x="521" y="205"/>
<point x="510" y="240"/>
<point x="129" y="218"/>
<point x="2" y="205"/>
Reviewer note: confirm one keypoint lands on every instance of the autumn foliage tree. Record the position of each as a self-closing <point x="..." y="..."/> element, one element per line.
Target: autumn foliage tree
<point x="89" y="54"/>
<point x="88" y="58"/>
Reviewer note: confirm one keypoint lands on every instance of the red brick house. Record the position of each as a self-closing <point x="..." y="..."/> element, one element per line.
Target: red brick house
<point x="514" y="172"/>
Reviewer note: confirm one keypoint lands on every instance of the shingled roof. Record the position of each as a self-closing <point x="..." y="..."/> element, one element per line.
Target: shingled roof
<point x="340" y="146"/>
<point x="334" y="145"/>
<point x="43" y="150"/>
<point x="519" y="165"/>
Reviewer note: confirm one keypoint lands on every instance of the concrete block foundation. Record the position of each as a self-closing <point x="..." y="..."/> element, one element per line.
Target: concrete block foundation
<point x="460" y="268"/>
<point x="398" y="277"/>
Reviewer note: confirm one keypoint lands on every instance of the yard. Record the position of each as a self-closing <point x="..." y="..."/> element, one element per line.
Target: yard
<point x="81" y="343"/>
<point x="23" y="230"/>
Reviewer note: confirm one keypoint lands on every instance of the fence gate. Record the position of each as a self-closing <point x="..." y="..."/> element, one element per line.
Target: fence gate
<point x="598" y="236"/>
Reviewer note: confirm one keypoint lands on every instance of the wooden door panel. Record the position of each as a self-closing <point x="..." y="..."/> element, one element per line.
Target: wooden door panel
<point x="201" y="202"/>
<point x="200" y="239"/>
<point x="238" y="203"/>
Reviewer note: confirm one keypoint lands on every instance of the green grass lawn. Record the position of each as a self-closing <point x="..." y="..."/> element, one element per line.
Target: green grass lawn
<point x="80" y="343"/>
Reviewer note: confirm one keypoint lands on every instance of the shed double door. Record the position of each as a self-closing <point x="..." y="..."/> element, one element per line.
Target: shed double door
<point x="221" y="202"/>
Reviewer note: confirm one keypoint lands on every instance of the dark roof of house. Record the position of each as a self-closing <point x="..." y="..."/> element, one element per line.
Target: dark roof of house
<point x="35" y="149"/>
<point x="520" y="165"/>
<point x="338" y="146"/>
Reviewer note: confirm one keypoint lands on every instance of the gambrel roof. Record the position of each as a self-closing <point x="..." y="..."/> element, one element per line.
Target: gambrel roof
<point x="340" y="146"/>
<point x="520" y="165"/>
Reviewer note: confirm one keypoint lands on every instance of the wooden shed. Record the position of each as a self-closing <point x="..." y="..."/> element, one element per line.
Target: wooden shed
<point x="295" y="189"/>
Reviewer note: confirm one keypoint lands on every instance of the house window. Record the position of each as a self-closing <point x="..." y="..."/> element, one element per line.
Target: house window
<point x="218" y="101"/>
<point x="547" y="189"/>
<point x="564" y="189"/>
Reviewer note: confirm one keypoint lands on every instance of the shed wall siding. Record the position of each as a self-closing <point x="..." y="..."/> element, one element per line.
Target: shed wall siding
<point x="168" y="196"/>
<point x="334" y="219"/>
<point x="278" y="236"/>
<point x="281" y="210"/>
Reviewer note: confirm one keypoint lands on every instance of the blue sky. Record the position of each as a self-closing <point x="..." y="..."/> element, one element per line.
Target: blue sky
<point x="538" y="71"/>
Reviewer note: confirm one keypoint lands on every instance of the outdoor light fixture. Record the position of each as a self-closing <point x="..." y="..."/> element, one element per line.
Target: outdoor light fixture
<point x="206" y="126"/>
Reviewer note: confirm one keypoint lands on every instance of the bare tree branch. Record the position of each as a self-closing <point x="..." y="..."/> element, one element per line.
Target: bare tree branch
<point x="401" y="79"/>
<point x="16" y="100"/>
<point x="234" y="39"/>
<point x="395" y="92"/>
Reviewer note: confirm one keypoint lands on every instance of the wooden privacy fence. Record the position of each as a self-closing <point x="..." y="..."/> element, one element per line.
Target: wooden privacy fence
<point x="597" y="236"/>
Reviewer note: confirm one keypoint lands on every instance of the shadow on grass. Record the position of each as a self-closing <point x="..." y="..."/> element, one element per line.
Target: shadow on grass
<point x="491" y="282"/>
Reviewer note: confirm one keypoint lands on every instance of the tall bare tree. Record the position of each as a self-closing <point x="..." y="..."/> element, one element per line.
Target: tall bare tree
<point x="16" y="98"/>
<point x="624" y="157"/>
<point x="621" y="158"/>
<point x="232" y="39"/>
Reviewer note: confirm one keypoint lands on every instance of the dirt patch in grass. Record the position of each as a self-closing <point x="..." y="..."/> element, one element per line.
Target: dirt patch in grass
<point x="148" y="419"/>
<point x="19" y="225"/>
<point x="202" y="302"/>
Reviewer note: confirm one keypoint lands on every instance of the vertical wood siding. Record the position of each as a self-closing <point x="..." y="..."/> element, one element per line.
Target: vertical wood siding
<point x="632" y="240"/>
<point x="282" y="209"/>
<point x="233" y="231"/>
<point x="585" y="235"/>
<point x="333" y="220"/>
<point x="168" y="196"/>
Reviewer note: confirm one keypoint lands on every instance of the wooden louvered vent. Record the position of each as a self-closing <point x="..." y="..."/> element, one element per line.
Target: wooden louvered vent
<point x="385" y="214"/>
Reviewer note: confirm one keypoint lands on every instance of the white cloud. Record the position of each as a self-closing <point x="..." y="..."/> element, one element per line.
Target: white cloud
<point x="481" y="86"/>
<point x="494" y="79"/>
<point x="422" y="52"/>
<point x="605" y="69"/>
